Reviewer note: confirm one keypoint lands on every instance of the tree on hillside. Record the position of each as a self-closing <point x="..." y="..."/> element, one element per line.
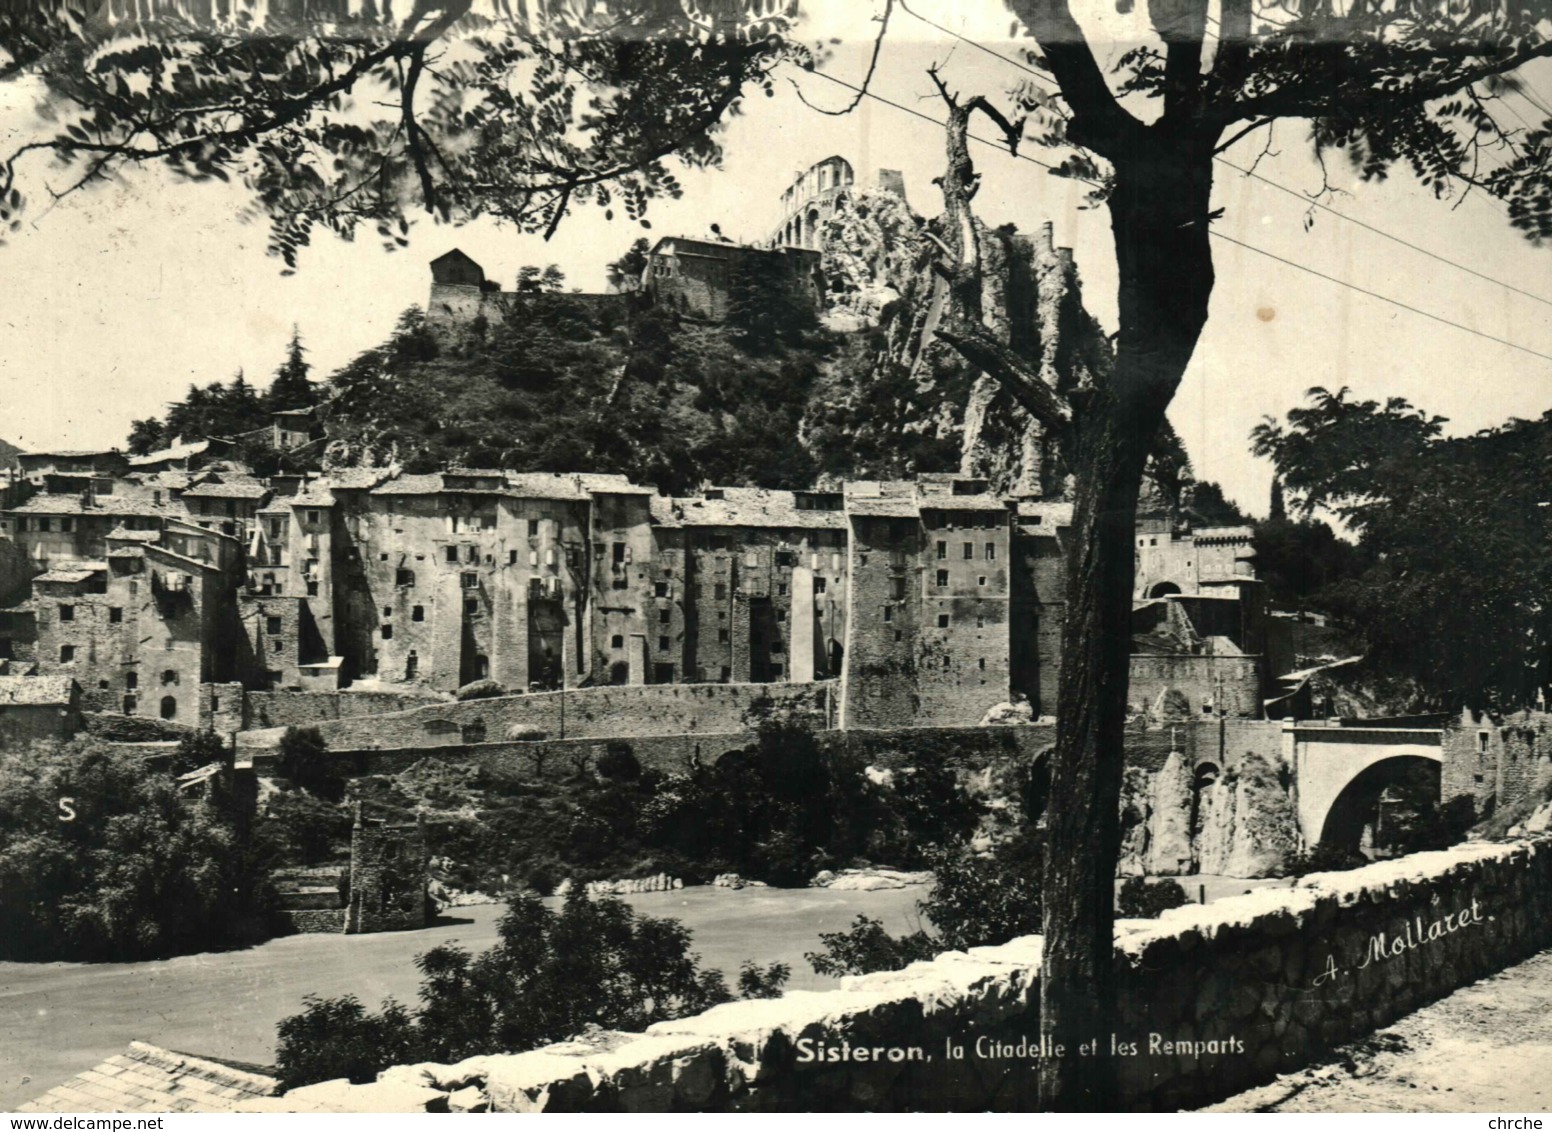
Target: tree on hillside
<point x="102" y="860"/>
<point x="1404" y="82"/>
<point x="625" y="272"/>
<point x="338" y="124"/>
<point x="290" y="389"/>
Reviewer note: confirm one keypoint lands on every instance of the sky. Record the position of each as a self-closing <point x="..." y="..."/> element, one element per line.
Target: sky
<point x="116" y="299"/>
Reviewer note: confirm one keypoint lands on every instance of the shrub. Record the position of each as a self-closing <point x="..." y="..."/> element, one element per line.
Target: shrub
<point x="549" y="976"/>
<point x="100" y="860"/>
<point x="867" y="947"/>
<point x="619" y="762"/>
<point x="197" y="749"/>
<point x="1142" y="900"/>
<point x="755" y="981"/>
<point x="976" y="899"/>
<point x="481" y="690"/>
<point x="304" y="761"/>
<point x="305" y="830"/>
<point x="1325" y="858"/>
<point x="986" y="898"/>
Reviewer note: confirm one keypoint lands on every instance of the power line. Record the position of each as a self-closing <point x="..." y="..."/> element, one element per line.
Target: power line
<point x="935" y="121"/>
<point x="1219" y="235"/>
<point x="1376" y="295"/>
<point x="1263" y="178"/>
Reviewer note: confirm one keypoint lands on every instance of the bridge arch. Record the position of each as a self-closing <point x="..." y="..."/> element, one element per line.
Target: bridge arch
<point x="1360" y="804"/>
<point x="1331" y="761"/>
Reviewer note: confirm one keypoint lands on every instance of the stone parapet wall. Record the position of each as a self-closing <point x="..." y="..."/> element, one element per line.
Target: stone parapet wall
<point x="582" y="713"/>
<point x="1216" y="998"/>
<point x="326" y="920"/>
<point x="309" y="709"/>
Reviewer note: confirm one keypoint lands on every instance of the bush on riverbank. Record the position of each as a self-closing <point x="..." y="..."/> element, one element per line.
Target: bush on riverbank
<point x="103" y="859"/>
<point x="780" y="811"/>
<point x="550" y="976"/>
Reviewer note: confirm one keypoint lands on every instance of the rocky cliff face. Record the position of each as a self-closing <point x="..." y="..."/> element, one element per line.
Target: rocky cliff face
<point x="1175" y="822"/>
<point x="877" y="259"/>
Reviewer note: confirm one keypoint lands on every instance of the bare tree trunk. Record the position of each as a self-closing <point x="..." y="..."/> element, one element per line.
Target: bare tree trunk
<point x="1159" y="219"/>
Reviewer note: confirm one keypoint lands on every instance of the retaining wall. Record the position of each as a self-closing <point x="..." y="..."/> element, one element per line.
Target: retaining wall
<point x="583" y="713"/>
<point x="1217" y="998"/>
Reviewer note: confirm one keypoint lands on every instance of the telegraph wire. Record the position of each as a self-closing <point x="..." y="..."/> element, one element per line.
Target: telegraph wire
<point x="1213" y="232"/>
<point x="1376" y="295"/>
<point x="1263" y="178"/>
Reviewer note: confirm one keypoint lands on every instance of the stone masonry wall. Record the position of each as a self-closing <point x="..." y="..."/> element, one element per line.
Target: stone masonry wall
<point x="651" y="709"/>
<point x="1216" y="998"/>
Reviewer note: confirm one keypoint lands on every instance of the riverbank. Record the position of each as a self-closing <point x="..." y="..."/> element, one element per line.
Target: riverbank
<point x="59" y="1018"/>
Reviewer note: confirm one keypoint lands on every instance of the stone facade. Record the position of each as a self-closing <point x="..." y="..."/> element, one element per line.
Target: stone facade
<point x="36" y="708"/>
<point x="1214" y="999"/>
<point x="696" y="277"/>
<point x="814" y="195"/>
<point x="1498" y="763"/>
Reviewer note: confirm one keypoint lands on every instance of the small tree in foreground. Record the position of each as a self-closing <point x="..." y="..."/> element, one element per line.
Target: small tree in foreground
<point x="550" y="976"/>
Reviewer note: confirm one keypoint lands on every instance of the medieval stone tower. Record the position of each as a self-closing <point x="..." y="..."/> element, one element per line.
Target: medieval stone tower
<point x="387" y="875"/>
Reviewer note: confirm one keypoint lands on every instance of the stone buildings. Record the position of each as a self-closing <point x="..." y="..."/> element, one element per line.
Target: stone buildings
<point x="932" y="601"/>
<point x="1497" y="762"/>
<point x="697" y="277"/>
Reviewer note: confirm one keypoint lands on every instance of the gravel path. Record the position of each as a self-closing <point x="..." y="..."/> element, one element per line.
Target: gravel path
<point x="1485" y="1048"/>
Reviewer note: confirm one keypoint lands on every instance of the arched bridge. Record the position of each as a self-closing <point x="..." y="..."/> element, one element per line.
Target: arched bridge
<point x="1337" y="769"/>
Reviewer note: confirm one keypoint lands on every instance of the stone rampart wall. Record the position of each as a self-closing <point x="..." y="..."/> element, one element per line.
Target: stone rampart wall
<point x="583" y="713"/>
<point x="1217" y="998"/>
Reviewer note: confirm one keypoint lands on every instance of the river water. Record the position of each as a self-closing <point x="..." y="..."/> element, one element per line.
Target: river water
<point x="57" y="1019"/>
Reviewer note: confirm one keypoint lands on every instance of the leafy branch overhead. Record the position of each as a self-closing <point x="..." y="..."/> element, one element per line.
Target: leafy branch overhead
<point x="1407" y="82"/>
<point x="342" y="121"/>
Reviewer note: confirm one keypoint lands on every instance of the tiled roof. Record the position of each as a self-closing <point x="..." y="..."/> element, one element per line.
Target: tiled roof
<point x="176" y="452"/>
<point x="745" y="507"/>
<point x="430" y="484"/>
<point x="313" y="495"/>
<point x="124" y="534"/>
<point x="1050" y="514"/>
<point x="965" y="502"/>
<point x="102" y="505"/>
<point x="79" y="572"/>
<point x="356" y="477"/>
<point x="70" y="453"/>
<point x="886" y="507"/>
<point x="146" y="1078"/>
<point x="36" y="691"/>
<point x="239" y="489"/>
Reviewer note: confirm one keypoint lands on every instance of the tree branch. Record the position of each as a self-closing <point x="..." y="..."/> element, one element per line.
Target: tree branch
<point x="862" y="90"/>
<point x="1098" y="120"/>
<point x="1323" y="99"/>
<point x="1022" y="380"/>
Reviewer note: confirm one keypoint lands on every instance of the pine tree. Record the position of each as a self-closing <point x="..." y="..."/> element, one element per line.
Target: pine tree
<point x="1279" y="509"/>
<point x="291" y="389"/>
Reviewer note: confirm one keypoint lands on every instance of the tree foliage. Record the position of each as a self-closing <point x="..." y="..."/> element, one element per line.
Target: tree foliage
<point x="303" y="760"/>
<point x="550" y="976"/>
<point x="1143" y="899"/>
<point x="1449" y="579"/>
<point x="101" y="859"/>
<point x="333" y="121"/>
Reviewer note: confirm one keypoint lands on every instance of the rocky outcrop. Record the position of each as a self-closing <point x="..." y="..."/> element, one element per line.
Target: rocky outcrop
<point x="1170" y="851"/>
<point x="628" y="886"/>
<point x="1174" y="823"/>
<point x="917" y="399"/>
<point x="868" y="880"/>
